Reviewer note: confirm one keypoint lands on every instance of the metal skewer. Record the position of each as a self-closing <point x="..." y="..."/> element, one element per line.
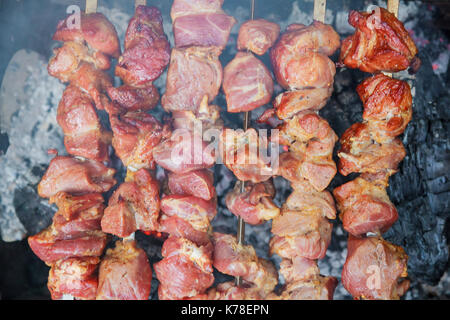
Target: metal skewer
<point x="241" y="223"/>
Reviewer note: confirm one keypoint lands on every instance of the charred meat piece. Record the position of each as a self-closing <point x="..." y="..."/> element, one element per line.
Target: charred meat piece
<point x="375" y="269"/>
<point x="380" y="43"/>
<point x="185" y="271"/>
<point x="147" y="50"/>
<point x="255" y="205"/>
<point x="74" y="276"/>
<point x="95" y="30"/>
<point x="236" y="259"/>
<point x="133" y="206"/>
<point x="199" y="183"/>
<point x="387" y="106"/>
<point x="299" y="57"/>
<point x="84" y="135"/>
<point x="240" y="152"/>
<point x="247" y="83"/>
<point x="124" y="273"/>
<point x="183" y="152"/>
<point x="359" y="152"/>
<point x="136" y="135"/>
<point x="365" y="206"/>
<point x="257" y="36"/>
<point x="129" y="98"/>
<point x="193" y="73"/>
<point x="200" y="23"/>
<point x="72" y="175"/>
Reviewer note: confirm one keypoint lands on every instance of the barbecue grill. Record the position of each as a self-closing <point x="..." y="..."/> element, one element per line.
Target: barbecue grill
<point x="28" y="128"/>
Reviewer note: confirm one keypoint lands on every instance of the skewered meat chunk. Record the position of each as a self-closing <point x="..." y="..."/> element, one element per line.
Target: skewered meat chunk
<point x="196" y="211"/>
<point x="239" y="151"/>
<point x="298" y="269"/>
<point x="375" y="269"/>
<point x="50" y="248"/>
<point x="199" y="183"/>
<point x="83" y="134"/>
<point x="319" y="288"/>
<point x="387" y="106"/>
<point x="124" y="273"/>
<point x="257" y="35"/>
<point x="136" y="136"/>
<point x="297" y="233"/>
<point x="74" y="231"/>
<point x="236" y="259"/>
<point x="255" y="204"/>
<point x="360" y="153"/>
<point x="308" y="70"/>
<point x="185" y="271"/>
<point x="304" y="282"/>
<point x="96" y="31"/>
<point x="93" y="81"/>
<point x="133" y="206"/>
<point x="365" y="206"/>
<point x="209" y="29"/>
<point x="302" y="228"/>
<point x="309" y="134"/>
<point x="299" y="57"/>
<point x="229" y="291"/>
<point x="73" y="175"/>
<point x="70" y="64"/>
<point x="130" y="98"/>
<point x="183" y="152"/>
<point x="206" y="117"/>
<point x="189" y="7"/>
<point x="311" y="142"/>
<point x="77" y="214"/>
<point x="247" y="83"/>
<point x="200" y="23"/>
<point x="306" y="198"/>
<point x="74" y="276"/>
<point x="181" y="228"/>
<point x="147" y="50"/>
<point x="289" y="103"/>
<point x="193" y="73"/>
<point x="66" y="59"/>
<point x="380" y="43"/>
